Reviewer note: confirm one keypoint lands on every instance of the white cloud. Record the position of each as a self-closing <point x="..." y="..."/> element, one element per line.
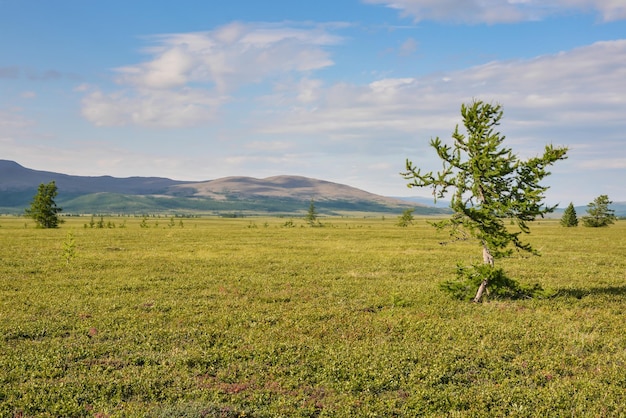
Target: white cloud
<point x="151" y="108"/>
<point x="172" y="68"/>
<point x="190" y="74"/>
<point x="605" y="164"/>
<point x="390" y="86"/>
<point x="501" y="11"/>
<point x="308" y="89"/>
<point x="230" y="56"/>
<point x="269" y="146"/>
<point x="562" y="99"/>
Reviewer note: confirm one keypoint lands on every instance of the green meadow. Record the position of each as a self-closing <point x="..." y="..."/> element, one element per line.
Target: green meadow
<point x="268" y="317"/>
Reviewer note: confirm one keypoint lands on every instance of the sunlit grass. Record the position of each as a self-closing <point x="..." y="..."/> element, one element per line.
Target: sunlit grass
<point x="250" y="317"/>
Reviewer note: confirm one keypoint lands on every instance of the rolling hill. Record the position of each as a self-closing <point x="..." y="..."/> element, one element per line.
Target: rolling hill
<point x="225" y="196"/>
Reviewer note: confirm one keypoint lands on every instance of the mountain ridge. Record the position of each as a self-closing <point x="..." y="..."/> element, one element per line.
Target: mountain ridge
<point x="276" y="194"/>
<point x="304" y="188"/>
<point x="14" y="176"/>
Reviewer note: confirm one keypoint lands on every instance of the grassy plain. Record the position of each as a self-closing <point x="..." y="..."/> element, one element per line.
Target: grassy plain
<point x="249" y="317"/>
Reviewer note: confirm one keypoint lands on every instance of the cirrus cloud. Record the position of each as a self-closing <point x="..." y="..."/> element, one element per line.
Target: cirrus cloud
<point x="151" y="108"/>
<point x="230" y="56"/>
<point x="501" y="11"/>
<point x="190" y="75"/>
<point x="559" y="98"/>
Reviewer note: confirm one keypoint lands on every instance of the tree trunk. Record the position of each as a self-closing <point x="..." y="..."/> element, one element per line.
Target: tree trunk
<point x="487" y="259"/>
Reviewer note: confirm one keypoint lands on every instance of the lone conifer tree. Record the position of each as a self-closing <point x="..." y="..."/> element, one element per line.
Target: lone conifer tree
<point x="569" y="218"/>
<point x="490" y="186"/>
<point x="43" y="208"/>
<point x="599" y="212"/>
<point x="311" y="216"/>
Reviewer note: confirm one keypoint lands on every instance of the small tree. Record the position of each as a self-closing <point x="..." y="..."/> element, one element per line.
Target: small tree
<point x="489" y="186"/>
<point x="569" y="218"/>
<point x="599" y="213"/>
<point x="406" y="218"/>
<point x="311" y="216"/>
<point x="69" y="248"/>
<point x="43" y="208"/>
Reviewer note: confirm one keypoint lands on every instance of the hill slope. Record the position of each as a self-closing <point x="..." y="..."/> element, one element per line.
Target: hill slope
<point x="294" y="187"/>
<point x="141" y="195"/>
<point x="14" y="177"/>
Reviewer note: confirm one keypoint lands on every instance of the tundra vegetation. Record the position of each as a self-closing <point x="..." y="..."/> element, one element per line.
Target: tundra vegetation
<point x="406" y="218"/>
<point x="219" y="319"/>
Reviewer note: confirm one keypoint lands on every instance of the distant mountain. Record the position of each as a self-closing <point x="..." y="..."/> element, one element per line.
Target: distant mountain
<point x="230" y="195"/>
<point x="14" y="177"/>
<point x="295" y="187"/>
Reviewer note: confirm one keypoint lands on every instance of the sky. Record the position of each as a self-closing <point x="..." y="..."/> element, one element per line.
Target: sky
<point x="338" y="90"/>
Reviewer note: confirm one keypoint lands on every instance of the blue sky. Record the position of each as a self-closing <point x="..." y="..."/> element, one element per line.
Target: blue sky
<point x="341" y="90"/>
